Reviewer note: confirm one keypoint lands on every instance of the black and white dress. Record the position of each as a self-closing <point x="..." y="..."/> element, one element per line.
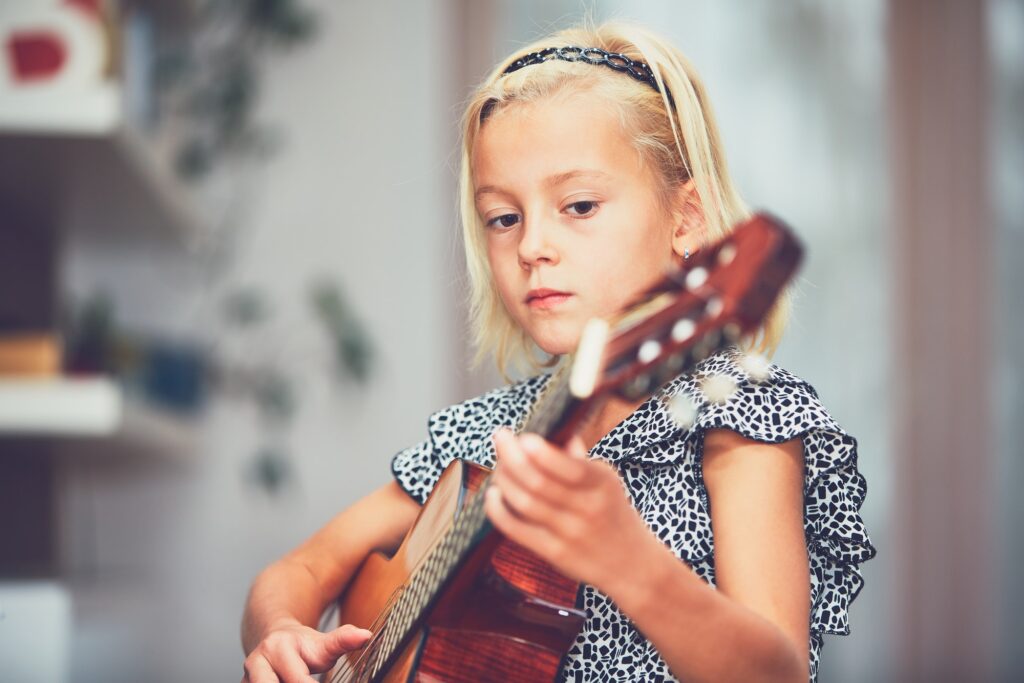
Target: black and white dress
<point x="660" y="463"/>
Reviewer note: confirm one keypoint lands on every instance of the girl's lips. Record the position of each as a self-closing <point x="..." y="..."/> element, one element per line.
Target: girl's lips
<point x="548" y="300"/>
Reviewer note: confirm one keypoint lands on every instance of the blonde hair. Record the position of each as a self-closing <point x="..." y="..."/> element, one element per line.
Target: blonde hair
<point x="679" y="146"/>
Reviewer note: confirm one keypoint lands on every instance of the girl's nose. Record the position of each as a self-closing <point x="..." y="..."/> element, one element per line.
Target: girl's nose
<point x="535" y="245"/>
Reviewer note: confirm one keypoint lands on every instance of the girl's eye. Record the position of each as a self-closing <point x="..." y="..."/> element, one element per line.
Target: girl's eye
<point x="583" y="209"/>
<point x="507" y="220"/>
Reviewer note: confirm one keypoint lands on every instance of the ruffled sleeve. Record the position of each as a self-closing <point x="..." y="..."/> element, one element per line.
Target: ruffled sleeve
<point x="463" y="431"/>
<point x="417" y="469"/>
<point x="782" y="408"/>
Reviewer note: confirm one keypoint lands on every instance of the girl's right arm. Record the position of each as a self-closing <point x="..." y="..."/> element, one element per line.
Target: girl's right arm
<point x="288" y="597"/>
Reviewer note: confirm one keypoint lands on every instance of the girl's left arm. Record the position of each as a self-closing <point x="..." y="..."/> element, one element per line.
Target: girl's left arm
<point x="573" y="512"/>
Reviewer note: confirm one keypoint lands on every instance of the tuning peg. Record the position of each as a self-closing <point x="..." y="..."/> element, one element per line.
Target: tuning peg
<point x="714" y="306"/>
<point x="669" y="368"/>
<point x="586" y="368"/>
<point x="638" y="386"/>
<point x="675" y="363"/>
<point x="683" y="410"/>
<point x="649" y="351"/>
<point x="683" y="329"/>
<point x="756" y="366"/>
<point x="707" y="344"/>
<point x="696" y="277"/>
<point x="726" y="254"/>
<point x="718" y="388"/>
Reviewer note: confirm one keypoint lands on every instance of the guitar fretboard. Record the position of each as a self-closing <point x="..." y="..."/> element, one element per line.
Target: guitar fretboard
<point x="428" y="579"/>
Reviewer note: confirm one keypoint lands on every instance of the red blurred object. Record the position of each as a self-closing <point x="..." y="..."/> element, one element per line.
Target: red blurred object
<point x="36" y="55"/>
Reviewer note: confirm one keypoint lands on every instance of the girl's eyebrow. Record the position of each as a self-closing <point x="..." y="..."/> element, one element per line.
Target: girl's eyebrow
<point x="551" y="181"/>
<point x="559" y="178"/>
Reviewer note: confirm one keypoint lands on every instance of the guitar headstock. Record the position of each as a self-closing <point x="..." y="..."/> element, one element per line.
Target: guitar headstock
<point x="724" y="293"/>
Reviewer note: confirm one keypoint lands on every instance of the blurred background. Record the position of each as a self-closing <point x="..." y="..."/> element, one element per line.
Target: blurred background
<point x="231" y="288"/>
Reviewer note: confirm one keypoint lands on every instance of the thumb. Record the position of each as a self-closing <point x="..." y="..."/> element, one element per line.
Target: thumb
<point x="345" y="638"/>
<point x="576" y="448"/>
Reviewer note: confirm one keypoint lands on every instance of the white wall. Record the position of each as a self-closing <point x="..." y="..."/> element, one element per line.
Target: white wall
<point x="162" y="554"/>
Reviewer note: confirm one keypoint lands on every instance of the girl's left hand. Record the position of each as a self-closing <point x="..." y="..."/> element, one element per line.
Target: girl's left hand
<point x="568" y="509"/>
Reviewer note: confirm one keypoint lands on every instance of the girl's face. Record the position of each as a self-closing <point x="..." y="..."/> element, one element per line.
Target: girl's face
<point x="574" y="229"/>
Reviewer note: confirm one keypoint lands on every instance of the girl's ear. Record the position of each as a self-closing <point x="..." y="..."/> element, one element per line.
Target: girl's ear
<point x="689" y="227"/>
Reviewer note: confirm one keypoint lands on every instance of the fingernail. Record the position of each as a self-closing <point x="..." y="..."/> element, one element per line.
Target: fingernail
<point x="531" y="442"/>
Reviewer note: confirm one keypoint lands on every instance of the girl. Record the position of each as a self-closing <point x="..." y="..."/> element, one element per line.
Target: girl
<point x="587" y="172"/>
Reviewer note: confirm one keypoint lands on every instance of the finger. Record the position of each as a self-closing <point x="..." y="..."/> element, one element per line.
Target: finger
<point x="526" y="534"/>
<point x="568" y="468"/>
<point x="258" y="670"/>
<point x="538" y="464"/>
<point x="576" y="448"/>
<point x="343" y="639"/>
<point x="525" y="503"/>
<point x="292" y="669"/>
<point x="515" y="469"/>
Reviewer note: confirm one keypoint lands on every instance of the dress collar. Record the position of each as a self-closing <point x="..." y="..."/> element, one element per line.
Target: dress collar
<point x="651" y="433"/>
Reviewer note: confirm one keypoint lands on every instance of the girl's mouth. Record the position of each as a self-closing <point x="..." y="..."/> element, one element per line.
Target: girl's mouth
<point x="546" y="298"/>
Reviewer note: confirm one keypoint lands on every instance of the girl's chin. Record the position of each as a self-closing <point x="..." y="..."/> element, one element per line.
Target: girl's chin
<point x="556" y="347"/>
<point x="556" y="339"/>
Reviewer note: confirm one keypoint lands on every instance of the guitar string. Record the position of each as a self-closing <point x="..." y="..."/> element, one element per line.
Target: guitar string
<point x="352" y="668"/>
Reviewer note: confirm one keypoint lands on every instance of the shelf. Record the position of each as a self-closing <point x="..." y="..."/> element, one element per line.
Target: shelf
<point x="80" y="156"/>
<point x="89" y="111"/>
<point x="59" y="407"/>
<point x="91" y="414"/>
<point x="35" y="630"/>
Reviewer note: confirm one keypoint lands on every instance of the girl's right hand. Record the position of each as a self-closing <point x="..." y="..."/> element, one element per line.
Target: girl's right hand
<point x="289" y="654"/>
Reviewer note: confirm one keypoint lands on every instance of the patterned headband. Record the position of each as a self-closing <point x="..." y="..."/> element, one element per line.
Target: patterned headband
<point x="590" y="55"/>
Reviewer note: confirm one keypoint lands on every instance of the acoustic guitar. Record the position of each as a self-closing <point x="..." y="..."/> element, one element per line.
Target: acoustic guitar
<point x="460" y="603"/>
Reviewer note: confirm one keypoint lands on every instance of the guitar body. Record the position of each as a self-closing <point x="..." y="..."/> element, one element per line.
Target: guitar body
<point x="504" y="616"/>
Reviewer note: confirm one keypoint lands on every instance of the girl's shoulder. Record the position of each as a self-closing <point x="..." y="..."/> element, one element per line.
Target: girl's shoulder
<point x="743" y="391"/>
<point x="463" y="431"/>
<point x="506" y="406"/>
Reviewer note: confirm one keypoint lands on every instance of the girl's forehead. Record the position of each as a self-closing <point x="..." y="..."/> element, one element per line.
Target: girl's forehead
<point x="554" y="115"/>
<point x="530" y="140"/>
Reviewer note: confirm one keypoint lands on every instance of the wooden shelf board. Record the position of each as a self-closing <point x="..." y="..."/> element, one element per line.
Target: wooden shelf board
<point x="93" y="111"/>
<point x="91" y="415"/>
